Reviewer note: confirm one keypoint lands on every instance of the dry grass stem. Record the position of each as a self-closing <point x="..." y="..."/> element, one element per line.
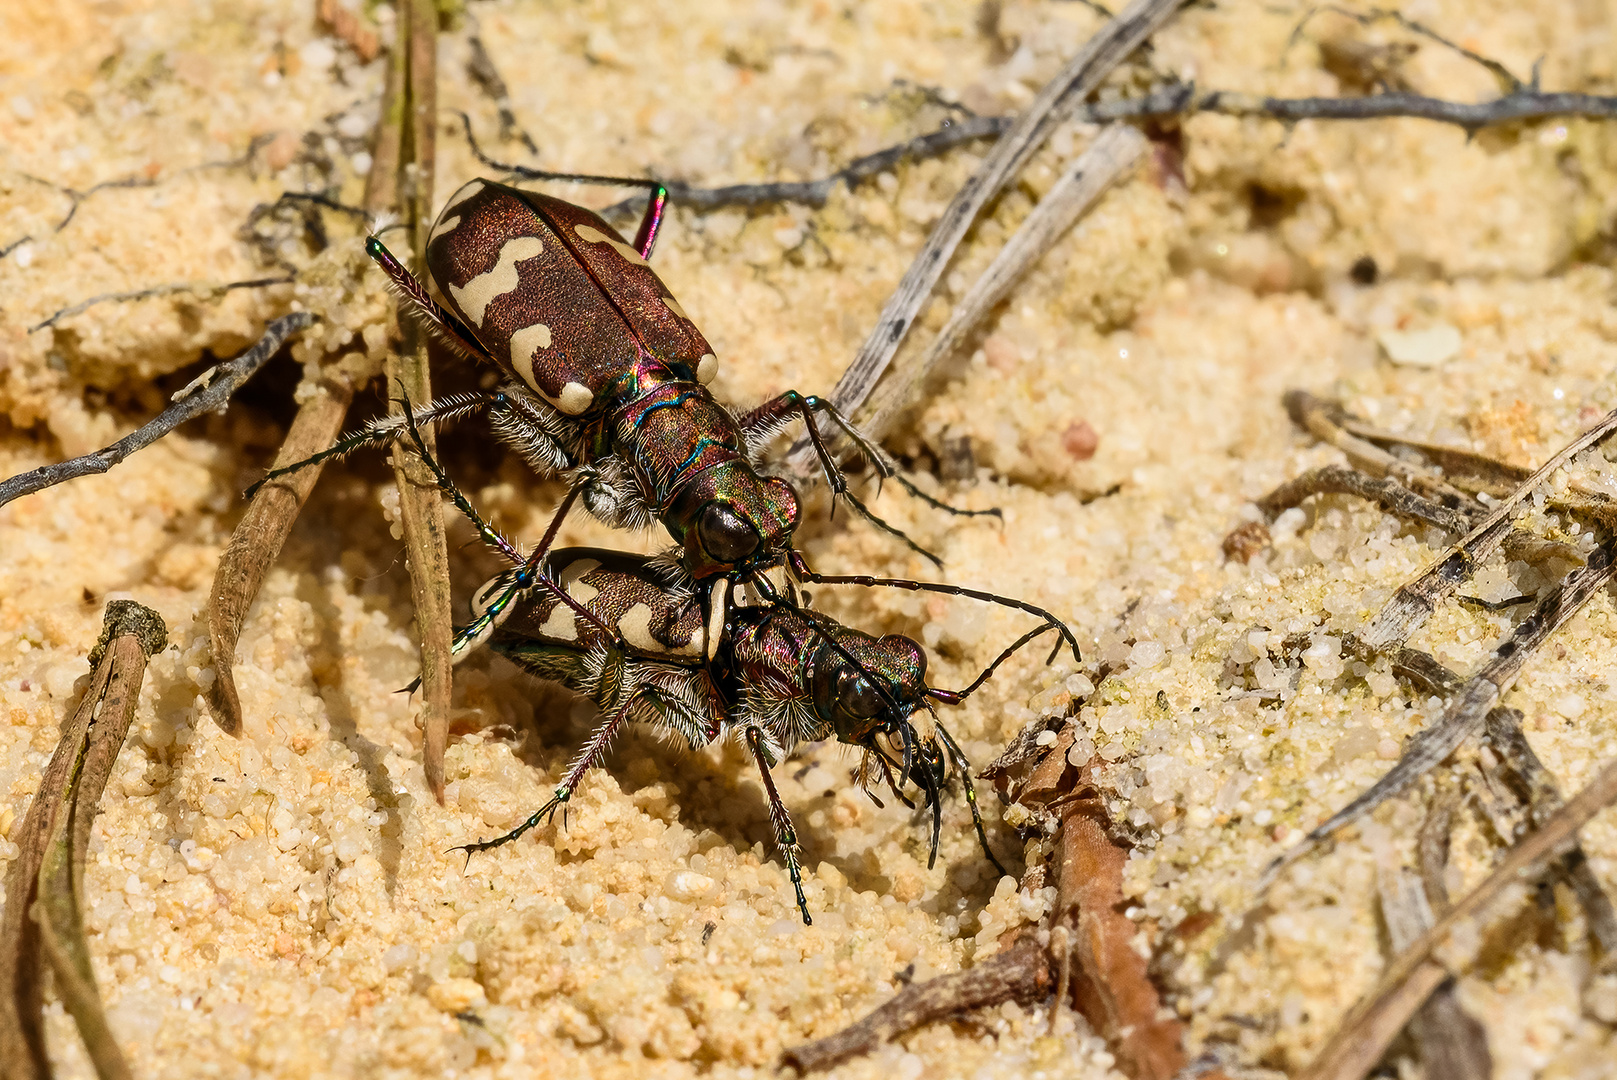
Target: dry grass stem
<point x="1357" y="1044"/>
<point x="1109" y="158"/>
<point x="1115" y="42"/>
<point x="53" y="840"/>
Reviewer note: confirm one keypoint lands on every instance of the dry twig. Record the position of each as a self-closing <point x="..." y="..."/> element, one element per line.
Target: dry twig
<point x="1362" y="1038"/>
<point x="1108" y="159"/>
<point x="53" y="841"/>
<point x="210" y="392"/>
<point x="1054" y="104"/>
<point x="1021" y="973"/>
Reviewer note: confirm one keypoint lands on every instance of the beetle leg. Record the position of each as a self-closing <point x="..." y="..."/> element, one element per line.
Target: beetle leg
<point x="453" y="332"/>
<point x="800" y="569"/>
<point x="588" y="757"/>
<point x="785" y="835"/>
<point x="529" y="570"/>
<point x="387" y="428"/>
<point x="964" y="766"/>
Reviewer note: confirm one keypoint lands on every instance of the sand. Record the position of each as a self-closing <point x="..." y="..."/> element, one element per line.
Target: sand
<point x="287" y="904"/>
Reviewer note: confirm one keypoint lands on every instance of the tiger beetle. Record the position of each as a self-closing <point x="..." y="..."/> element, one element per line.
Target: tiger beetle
<point x="773" y="675"/>
<point x="635" y="638"/>
<point x="605" y="382"/>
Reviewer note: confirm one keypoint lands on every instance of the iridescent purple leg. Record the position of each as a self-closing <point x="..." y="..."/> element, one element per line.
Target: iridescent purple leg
<point x="429" y="311"/>
<point x="785" y="835"/>
<point x="587" y="758"/>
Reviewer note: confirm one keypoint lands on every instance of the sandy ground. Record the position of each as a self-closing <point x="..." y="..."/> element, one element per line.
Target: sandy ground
<point x="285" y="904"/>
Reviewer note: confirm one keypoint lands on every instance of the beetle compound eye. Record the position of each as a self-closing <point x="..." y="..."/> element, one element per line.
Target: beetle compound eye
<point x="724" y="535"/>
<point x="858" y="698"/>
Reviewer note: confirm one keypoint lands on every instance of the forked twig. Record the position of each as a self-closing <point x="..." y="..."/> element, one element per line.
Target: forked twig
<point x="54" y="839"/>
<point x="210" y="392"/>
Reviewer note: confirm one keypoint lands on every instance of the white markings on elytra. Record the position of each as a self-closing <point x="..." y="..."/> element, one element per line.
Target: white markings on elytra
<point x="596" y="236"/>
<point x="445" y="226"/>
<point x="572" y="580"/>
<point x="477" y="294"/>
<point x="575" y="398"/>
<point x="462" y="193"/>
<point x="524" y="343"/>
<point x="706" y="368"/>
<point x="718" y="609"/>
<point x="561" y="624"/>
<point x="635" y="626"/>
<point x="673" y="305"/>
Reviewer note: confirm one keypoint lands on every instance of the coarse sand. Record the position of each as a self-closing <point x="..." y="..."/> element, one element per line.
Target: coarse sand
<point x="287" y="904"/>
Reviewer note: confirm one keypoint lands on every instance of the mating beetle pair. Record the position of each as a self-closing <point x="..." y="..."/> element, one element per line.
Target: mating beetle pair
<point x="605" y="383"/>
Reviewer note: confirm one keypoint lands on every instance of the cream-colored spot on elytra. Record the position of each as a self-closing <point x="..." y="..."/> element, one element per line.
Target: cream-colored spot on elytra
<point x="477" y="294"/>
<point x="574" y="399"/>
<point x="560" y="624"/>
<point x="524" y="344"/>
<point x="673" y="305"/>
<point x="635" y="626"/>
<point x="462" y="193"/>
<point x="596" y="236"/>
<point x="719" y="604"/>
<point x="706" y="368"/>
<point x="572" y="582"/>
<point x="445" y="225"/>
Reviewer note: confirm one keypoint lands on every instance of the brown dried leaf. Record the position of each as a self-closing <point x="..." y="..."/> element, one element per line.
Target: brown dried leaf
<point x="351" y="28"/>
<point x="1115" y="992"/>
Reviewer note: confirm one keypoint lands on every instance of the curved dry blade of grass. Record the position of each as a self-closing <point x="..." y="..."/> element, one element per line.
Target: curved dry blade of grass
<point x="420" y="503"/>
<point x="53" y="840"/>
<point x="1363" y="1036"/>
<point x="1113" y="44"/>
<point x="258" y="539"/>
<point x="1108" y="159"/>
<point x="400" y="182"/>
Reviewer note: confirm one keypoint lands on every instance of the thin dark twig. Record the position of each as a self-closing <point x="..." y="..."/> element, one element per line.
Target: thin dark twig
<point x="312" y="197"/>
<point x="14" y="245"/>
<point x="810" y="192"/>
<point x="208" y="393"/>
<point x="1506" y="77"/>
<point x="1184" y="99"/>
<point x="1021" y="973"/>
<point x="202" y="288"/>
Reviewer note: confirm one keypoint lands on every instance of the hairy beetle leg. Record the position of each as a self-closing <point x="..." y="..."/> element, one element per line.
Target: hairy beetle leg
<point x="785" y="835"/>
